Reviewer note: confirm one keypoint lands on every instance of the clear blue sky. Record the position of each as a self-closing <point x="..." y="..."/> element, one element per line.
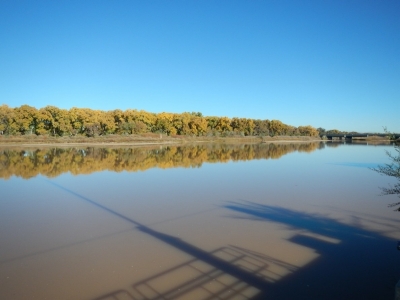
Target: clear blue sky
<point x="330" y="63"/>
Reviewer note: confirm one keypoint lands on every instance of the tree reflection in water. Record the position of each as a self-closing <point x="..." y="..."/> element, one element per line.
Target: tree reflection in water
<point x="52" y="162"/>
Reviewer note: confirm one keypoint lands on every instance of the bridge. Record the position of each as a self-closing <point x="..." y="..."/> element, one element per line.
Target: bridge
<point x="350" y="136"/>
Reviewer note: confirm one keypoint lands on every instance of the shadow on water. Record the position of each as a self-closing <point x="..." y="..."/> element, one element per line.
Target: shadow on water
<point x="361" y="266"/>
<point x="226" y="273"/>
<point x="231" y="271"/>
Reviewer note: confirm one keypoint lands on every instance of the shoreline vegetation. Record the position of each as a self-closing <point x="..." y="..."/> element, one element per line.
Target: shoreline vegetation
<point x="156" y="139"/>
<point x="144" y="139"/>
<point x="27" y="125"/>
<point x="56" y="122"/>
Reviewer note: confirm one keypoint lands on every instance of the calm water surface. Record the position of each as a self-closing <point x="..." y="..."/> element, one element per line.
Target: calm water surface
<point x="290" y="221"/>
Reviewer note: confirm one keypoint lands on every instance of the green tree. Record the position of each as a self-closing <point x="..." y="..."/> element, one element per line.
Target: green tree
<point x="261" y="127"/>
<point x="321" y="131"/>
<point x="334" y="131"/>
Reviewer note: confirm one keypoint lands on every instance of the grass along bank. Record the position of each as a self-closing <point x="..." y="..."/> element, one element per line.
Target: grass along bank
<point x="146" y="138"/>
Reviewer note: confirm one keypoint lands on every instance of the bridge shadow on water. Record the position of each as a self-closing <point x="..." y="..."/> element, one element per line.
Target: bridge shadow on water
<point x="226" y="273"/>
<point x="362" y="265"/>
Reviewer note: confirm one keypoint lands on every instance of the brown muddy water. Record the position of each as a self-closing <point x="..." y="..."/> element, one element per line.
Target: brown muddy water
<point x="267" y="221"/>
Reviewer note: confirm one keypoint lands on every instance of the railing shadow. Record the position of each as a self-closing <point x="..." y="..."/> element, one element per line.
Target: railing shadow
<point x="361" y="265"/>
<point x="196" y="279"/>
<point x="226" y="273"/>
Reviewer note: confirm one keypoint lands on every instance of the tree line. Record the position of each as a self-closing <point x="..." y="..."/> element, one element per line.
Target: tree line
<point x="52" y="162"/>
<point x="54" y="121"/>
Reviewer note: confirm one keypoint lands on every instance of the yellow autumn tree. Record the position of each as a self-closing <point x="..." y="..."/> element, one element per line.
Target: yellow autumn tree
<point x="26" y="119"/>
<point x="7" y="122"/>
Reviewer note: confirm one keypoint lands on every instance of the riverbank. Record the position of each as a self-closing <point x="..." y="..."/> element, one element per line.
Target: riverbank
<point x="144" y="139"/>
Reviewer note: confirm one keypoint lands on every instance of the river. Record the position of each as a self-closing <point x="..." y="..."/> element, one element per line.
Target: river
<point x="265" y="221"/>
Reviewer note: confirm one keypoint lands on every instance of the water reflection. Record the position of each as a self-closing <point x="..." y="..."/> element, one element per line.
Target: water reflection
<point x="56" y="161"/>
<point x="306" y="229"/>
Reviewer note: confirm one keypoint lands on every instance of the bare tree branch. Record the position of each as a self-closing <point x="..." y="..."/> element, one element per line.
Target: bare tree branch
<point x="392" y="170"/>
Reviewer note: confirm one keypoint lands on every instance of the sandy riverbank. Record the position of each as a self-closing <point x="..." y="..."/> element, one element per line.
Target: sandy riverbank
<point x="139" y="140"/>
